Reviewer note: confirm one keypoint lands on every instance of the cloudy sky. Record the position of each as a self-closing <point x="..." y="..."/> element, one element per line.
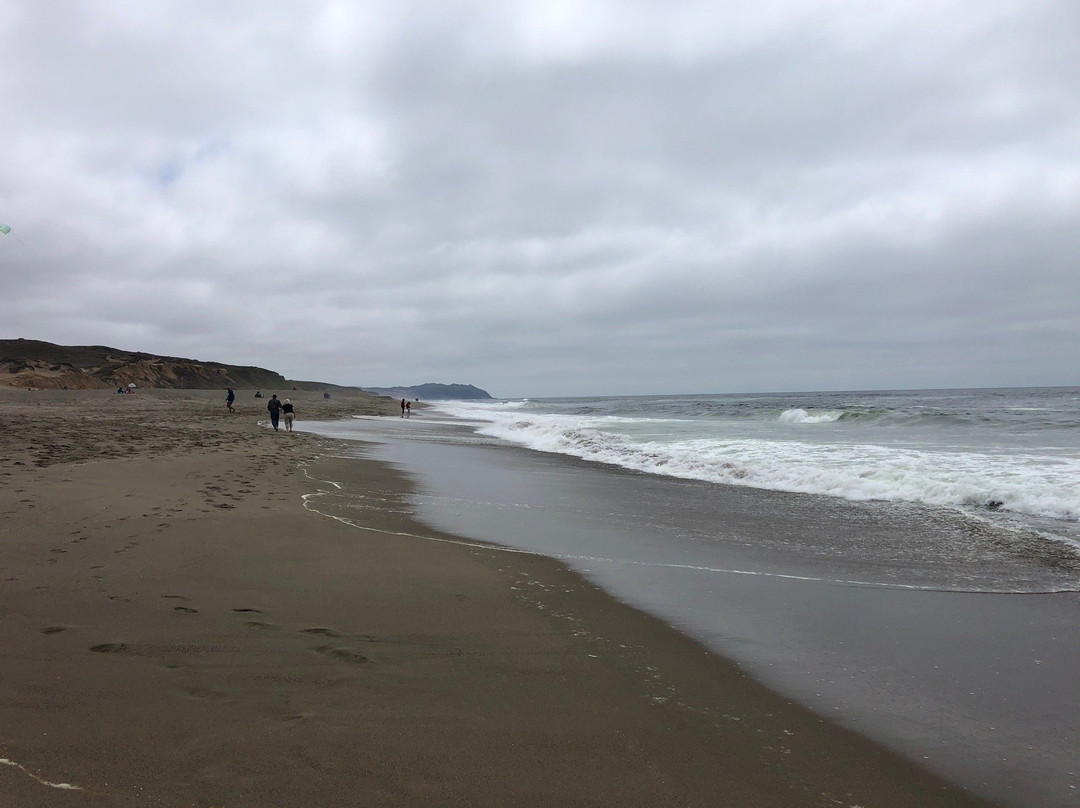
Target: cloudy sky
<point x="551" y="197"/>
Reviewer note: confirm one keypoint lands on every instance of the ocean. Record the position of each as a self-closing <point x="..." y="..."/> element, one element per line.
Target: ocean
<point x="1011" y="456"/>
<point x="906" y="563"/>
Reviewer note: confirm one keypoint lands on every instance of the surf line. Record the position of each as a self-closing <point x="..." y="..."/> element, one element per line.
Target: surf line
<point x="44" y="782"/>
<point x="836" y="581"/>
<point x="460" y="542"/>
<point x="498" y="548"/>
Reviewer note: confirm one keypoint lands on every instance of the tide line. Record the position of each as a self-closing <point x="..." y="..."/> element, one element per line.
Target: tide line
<point x="44" y="782"/>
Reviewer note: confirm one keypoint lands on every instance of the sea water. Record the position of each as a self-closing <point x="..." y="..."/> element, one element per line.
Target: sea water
<point x="1007" y="456"/>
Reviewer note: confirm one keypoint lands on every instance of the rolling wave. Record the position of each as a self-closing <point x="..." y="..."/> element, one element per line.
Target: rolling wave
<point x="1020" y="483"/>
<point x="800" y="416"/>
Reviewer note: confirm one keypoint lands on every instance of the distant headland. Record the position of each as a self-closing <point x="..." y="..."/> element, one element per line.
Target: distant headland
<point x="432" y="392"/>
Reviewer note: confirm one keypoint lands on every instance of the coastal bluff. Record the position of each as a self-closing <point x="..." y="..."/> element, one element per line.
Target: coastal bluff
<point x="35" y="365"/>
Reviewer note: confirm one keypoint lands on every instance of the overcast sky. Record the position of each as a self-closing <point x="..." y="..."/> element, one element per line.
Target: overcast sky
<point x="551" y="198"/>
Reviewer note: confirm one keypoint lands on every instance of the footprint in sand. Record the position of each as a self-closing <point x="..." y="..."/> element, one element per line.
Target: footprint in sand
<point x="185" y="610"/>
<point x="322" y="632"/>
<point x="253" y="611"/>
<point x="52" y="629"/>
<point x="262" y="626"/>
<point x="110" y="648"/>
<point x="343" y="654"/>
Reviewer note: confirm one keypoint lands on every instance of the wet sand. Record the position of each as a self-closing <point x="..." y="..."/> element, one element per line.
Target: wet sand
<point x="178" y="629"/>
<point x="810" y="594"/>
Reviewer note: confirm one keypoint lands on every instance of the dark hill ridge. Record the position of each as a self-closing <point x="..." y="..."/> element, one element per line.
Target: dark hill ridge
<point x="432" y="392"/>
<point x="32" y="364"/>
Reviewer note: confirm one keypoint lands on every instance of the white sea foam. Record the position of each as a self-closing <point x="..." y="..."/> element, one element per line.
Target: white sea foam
<point x="42" y="780"/>
<point x="800" y="416"/>
<point x="1024" y="483"/>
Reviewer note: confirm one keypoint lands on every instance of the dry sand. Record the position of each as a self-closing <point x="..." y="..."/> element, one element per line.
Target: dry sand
<point x="177" y="630"/>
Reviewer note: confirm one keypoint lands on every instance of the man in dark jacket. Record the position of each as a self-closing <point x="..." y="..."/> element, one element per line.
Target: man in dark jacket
<point x="274" y="406"/>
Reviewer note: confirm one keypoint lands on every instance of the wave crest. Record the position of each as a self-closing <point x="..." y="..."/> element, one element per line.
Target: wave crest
<point x="800" y="416"/>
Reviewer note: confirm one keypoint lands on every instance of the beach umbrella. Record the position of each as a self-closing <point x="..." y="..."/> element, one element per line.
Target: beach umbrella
<point x="132" y="384"/>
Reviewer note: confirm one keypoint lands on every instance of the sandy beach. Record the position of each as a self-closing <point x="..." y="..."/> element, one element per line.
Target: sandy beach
<point x="178" y="629"/>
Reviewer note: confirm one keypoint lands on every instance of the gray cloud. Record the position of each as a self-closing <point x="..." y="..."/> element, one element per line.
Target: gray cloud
<point x="551" y="197"/>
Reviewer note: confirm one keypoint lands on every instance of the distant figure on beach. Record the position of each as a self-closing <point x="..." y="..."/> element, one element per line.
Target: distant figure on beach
<point x="120" y="390"/>
<point x="258" y="394"/>
<point x="274" y="406"/>
<point x="408" y="409"/>
<point x="289" y="412"/>
<point x="402" y="408"/>
<point x="230" y="397"/>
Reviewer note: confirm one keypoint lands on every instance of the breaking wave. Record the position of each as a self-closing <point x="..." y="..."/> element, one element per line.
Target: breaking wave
<point x="1022" y="483"/>
<point x="798" y="416"/>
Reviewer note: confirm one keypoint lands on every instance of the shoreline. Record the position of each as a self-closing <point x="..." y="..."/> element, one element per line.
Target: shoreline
<point x="180" y="629"/>
<point x="975" y="685"/>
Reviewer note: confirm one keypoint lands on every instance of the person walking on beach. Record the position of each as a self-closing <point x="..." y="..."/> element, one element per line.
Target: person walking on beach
<point x="289" y="412"/>
<point x="230" y="397"/>
<point x="402" y="408"/>
<point x="274" y="406"/>
<point x="408" y="409"/>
